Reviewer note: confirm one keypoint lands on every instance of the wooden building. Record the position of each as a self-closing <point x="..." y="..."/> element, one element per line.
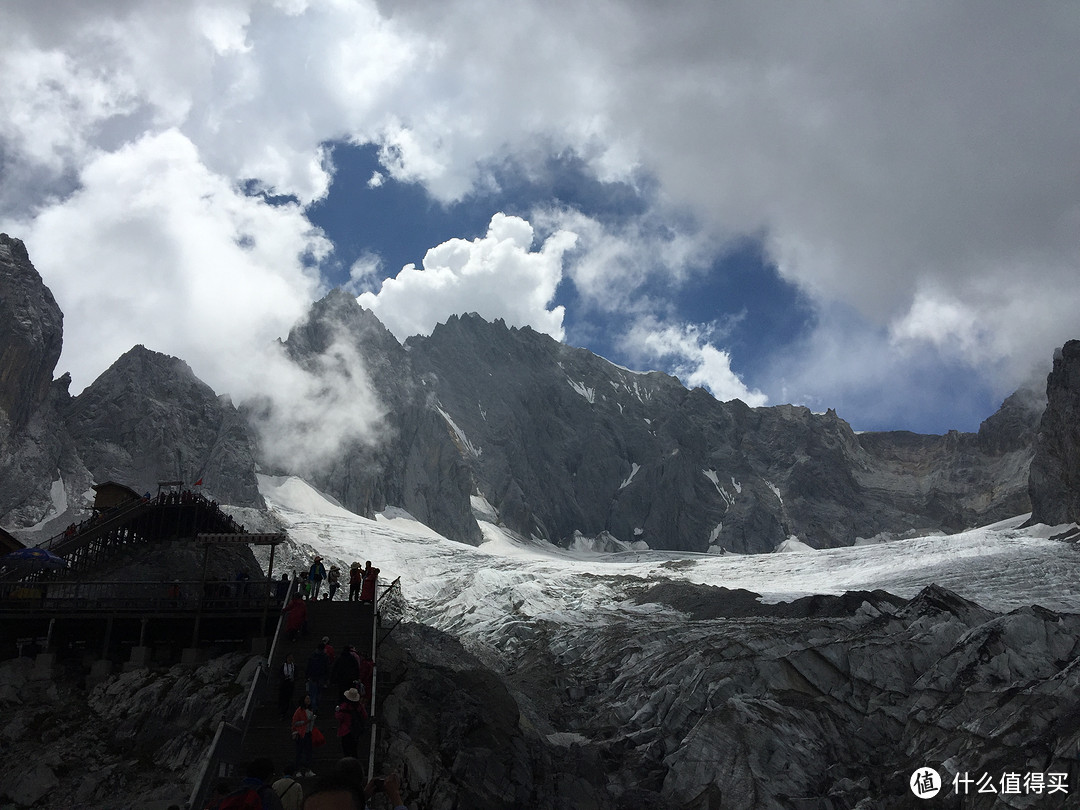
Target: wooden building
<point x="110" y="494"/>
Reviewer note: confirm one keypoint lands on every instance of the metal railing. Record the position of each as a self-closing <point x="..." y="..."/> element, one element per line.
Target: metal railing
<point x="390" y="604"/>
<point x="179" y="596"/>
<point x="227" y="747"/>
<point x="390" y="608"/>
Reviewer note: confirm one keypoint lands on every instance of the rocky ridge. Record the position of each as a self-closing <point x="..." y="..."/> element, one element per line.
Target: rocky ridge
<point x="145" y="419"/>
<point x="562" y="444"/>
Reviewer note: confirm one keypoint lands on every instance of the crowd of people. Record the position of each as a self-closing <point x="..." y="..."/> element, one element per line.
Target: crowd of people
<point x="362" y="581"/>
<point x="344" y="787"/>
<point x="342" y="677"/>
<point x="347" y="675"/>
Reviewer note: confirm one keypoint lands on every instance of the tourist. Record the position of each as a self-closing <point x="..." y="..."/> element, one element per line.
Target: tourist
<point x="317" y="673"/>
<point x="333" y="580"/>
<point x="259" y="773"/>
<point x="296" y="621"/>
<point x="356" y="581"/>
<point x="281" y="588"/>
<point x="303" y="722"/>
<point x="316" y="575"/>
<point x="371" y="576"/>
<point x="290" y="792"/>
<point x="345" y="671"/>
<point x="352" y="719"/>
<point x="343" y="788"/>
<point x="285" y="689"/>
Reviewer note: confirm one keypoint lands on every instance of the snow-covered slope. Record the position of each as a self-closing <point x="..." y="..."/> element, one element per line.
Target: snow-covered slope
<point x="1001" y="567"/>
<point x="676" y="686"/>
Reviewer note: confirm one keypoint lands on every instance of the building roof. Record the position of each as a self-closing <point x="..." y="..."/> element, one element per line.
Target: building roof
<point x="9" y="542"/>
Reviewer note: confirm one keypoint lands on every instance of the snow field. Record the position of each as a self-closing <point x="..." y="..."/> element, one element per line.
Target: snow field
<point x="477" y="591"/>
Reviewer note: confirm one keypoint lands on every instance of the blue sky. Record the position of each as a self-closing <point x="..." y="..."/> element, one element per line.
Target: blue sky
<point x="760" y="315"/>
<point x="870" y="207"/>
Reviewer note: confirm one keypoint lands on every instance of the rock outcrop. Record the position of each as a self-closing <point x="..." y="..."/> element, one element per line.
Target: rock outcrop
<point x="1055" y="469"/>
<point x="33" y="446"/>
<point x="31" y="335"/>
<point x="135" y="740"/>
<point x="416" y="463"/>
<point x="148" y="418"/>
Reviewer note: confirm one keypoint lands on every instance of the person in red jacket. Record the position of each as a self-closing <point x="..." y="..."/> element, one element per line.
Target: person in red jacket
<point x="296" y="621"/>
<point x="303" y="722"/>
<point x="356" y="581"/>
<point x="371" y="576"/>
<point x="352" y="718"/>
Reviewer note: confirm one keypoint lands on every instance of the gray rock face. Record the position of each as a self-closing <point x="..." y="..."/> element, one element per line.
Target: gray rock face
<point x="147" y="419"/>
<point x="33" y="447"/>
<point x="31" y="334"/>
<point x="1055" y="470"/>
<point x="560" y="442"/>
<point x="135" y="740"/>
<point x="417" y="463"/>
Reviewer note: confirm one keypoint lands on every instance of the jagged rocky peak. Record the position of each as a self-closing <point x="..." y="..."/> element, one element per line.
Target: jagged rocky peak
<point x="31" y="333"/>
<point x="330" y="318"/>
<point x="148" y="418"/>
<point x="1054" y="484"/>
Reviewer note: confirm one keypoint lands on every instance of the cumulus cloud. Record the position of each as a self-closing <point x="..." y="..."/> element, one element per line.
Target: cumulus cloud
<point x="310" y="412"/>
<point x="688" y="350"/>
<point x="612" y="262"/>
<point x="257" y="87"/>
<point x="155" y="248"/>
<point x="907" y="160"/>
<point x="496" y="276"/>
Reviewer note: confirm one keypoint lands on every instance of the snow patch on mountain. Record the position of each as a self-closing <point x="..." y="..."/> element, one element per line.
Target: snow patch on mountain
<point x="58" y="504"/>
<point x="482" y="509"/>
<point x="1002" y="567"/>
<point x="588" y="393"/>
<point x="794" y="545"/>
<point x="715" y="478"/>
<point x="463" y="440"/>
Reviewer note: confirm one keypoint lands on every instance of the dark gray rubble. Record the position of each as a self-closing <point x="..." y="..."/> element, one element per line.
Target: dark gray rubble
<point x="830" y="704"/>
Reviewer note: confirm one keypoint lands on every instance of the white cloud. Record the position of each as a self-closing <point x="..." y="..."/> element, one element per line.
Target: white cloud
<point x="155" y="248"/>
<point x="692" y="357"/>
<point x="308" y="413"/>
<point x="496" y="276"/>
<point x="910" y="160"/>
<point x="365" y="274"/>
<point x="612" y="263"/>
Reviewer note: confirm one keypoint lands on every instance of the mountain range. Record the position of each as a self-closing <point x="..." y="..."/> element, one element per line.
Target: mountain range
<point x="548" y="678"/>
<point x="561" y="444"/>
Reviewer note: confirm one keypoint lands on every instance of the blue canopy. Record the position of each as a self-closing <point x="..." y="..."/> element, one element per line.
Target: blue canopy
<point x="33" y="558"/>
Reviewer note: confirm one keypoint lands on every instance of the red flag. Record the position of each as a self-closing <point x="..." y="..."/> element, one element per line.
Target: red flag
<point x="198" y="483"/>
